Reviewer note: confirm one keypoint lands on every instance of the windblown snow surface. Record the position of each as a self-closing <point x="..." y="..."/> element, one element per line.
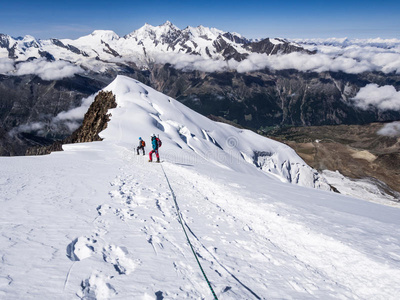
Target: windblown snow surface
<point x="98" y="221"/>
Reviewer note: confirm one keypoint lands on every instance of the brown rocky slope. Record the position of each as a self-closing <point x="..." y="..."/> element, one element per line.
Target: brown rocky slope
<point x="356" y="151"/>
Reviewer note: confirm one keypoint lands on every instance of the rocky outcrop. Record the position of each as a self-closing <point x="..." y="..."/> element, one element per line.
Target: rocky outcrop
<point x="43" y="150"/>
<point x="71" y="48"/>
<point x="279" y="46"/>
<point x="94" y="122"/>
<point x="5" y="43"/>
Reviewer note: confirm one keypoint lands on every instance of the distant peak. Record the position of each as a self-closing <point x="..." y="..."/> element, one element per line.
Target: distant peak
<point x="105" y="33"/>
<point x="28" y="38"/>
<point x="170" y="25"/>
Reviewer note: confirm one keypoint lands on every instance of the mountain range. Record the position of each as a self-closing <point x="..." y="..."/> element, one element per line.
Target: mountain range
<point x="143" y="44"/>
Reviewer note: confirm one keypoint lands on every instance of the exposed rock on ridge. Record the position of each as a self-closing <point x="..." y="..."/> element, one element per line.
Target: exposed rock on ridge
<point x="95" y="121"/>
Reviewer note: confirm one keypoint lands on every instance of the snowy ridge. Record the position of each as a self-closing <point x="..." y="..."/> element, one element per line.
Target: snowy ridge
<point x="188" y="136"/>
<point x="97" y="221"/>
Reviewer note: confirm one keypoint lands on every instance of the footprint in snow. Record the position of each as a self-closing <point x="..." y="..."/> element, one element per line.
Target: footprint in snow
<point x="117" y="256"/>
<point x="124" y="214"/>
<point x="80" y="248"/>
<point x="96" y="287"/>
<point x="247" y="228"/>
<point x="115" y="194"/>
<point x="103" y="209"/>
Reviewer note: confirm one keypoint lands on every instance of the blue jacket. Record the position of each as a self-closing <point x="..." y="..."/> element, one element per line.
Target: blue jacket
<point x="154" y="143"/>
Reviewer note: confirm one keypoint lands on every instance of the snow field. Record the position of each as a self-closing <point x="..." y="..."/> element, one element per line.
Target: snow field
<point x="252" y="240"/>
<point x="314" y="259"/>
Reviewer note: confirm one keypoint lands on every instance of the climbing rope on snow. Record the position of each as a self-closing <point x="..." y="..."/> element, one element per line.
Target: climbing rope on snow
<point x="187" y="237"/>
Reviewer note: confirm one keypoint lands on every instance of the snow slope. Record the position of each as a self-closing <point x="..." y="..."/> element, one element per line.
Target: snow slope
<point x="189" y="136"/>
<point x="99" y="222"/>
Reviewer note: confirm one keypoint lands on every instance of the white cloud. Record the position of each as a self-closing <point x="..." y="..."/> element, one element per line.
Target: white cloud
<point x="76" y="113"/>
<point x="353" y="60"/>
<point x="41" y="67"/>
<point x="370" y="54"/>
<point x="391" y="129"/>
<point x="383" y="98"/>
<point x="48" y="70"/>
<point x="72" y="118"/>
<point x="189" y="62"/>
<point x="6" y="65"/>
<point x="28" y="127"/>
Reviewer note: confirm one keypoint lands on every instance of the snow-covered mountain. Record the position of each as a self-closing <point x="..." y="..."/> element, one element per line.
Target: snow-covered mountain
<point x="189" y="136"/>
<point x="143" y="45"/>
<point x="199" y="48"/>
<point x="98" y="221"/>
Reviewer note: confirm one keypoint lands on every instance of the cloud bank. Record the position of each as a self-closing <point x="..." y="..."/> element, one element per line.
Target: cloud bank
<point x="188" y="62"/>
<point x="6" y="65"/>
<point x="352" y="60"/>
<point x="383" y="98"/>
<point x="73" y="118"/>
<point x="44" y="69"/>
<point x="48" y="70"/>
<point x="303" y="62"/>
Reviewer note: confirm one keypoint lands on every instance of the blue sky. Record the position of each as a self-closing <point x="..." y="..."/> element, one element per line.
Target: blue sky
<point x="251" y="18"/>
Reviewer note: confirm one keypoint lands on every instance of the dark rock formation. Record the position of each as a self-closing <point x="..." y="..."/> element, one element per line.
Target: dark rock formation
<point x="5" y="43"/>
<point x="267" y="47"/>
<point x="44" y="150"/>
<point x="227" y="50"/>
<point x="95" y="121"/>
<point x="68" y="47"/>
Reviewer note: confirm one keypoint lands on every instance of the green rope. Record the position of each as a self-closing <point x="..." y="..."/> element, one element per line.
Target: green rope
<point x="187" y="237"/>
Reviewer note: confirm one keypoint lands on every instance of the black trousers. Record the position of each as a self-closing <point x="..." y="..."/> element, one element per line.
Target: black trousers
<point x="138" y="148"/>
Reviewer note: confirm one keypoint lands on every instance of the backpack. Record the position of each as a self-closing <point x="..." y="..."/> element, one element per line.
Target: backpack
<point x="159" y="143"/>
<point x="143" y="144"/>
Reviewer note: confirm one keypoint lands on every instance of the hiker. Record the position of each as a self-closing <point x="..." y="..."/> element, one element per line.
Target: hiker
<point x="142" y="144"/>
<point x="155" y="143"/>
